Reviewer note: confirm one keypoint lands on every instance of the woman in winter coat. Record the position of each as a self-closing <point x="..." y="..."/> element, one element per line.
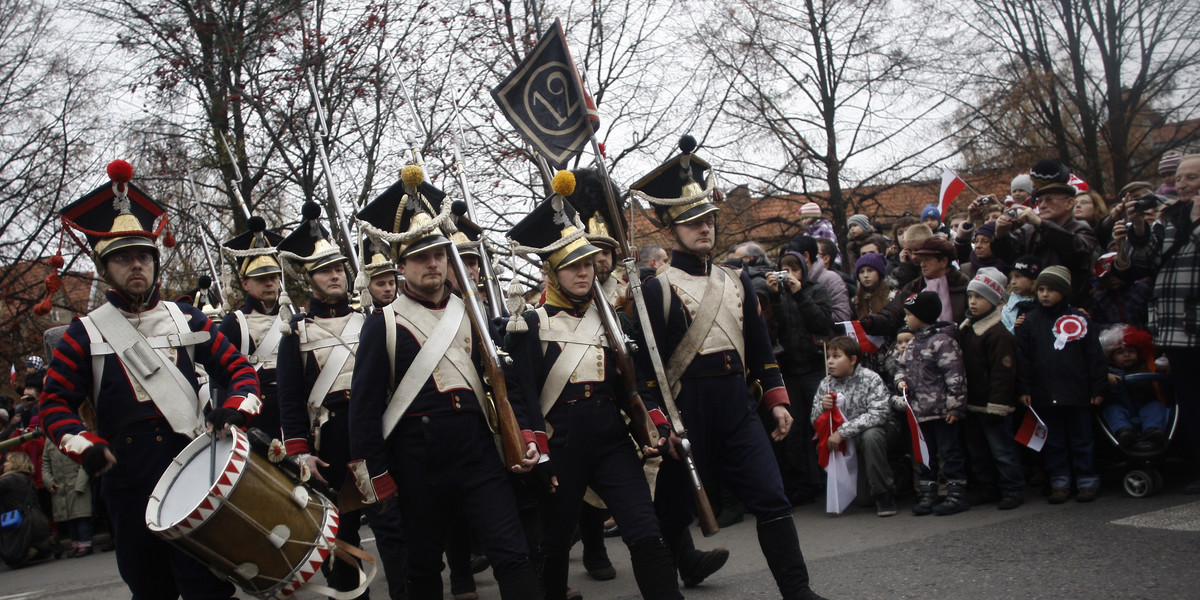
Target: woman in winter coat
<point x="71" y="497"/>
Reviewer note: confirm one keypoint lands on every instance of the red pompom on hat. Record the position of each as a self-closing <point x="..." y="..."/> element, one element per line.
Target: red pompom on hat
<point x="120" y="171"/>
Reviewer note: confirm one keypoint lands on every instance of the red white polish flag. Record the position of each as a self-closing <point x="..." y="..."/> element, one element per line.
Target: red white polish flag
<point x="1033" y="431"/>
<point x="952" y="186"/>
<point x="869" y="343"/>
<point x="920" y="450"/>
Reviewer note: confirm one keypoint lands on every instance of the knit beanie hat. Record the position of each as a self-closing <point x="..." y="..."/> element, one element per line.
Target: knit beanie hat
<point x="810" y="209"/>
<point x="1169" y="163"/>
<point x="1022" y="182"/>
<point x="925" y="306"/>
<point x="861" y="221"/>
<point x="931" y="211"/>
<point x="987" y="230"/>
<point x="989" y="283"/>
<point x="873" y="260"/>
<point x="1057" y="278"/>
<point x="1029" y="266"/>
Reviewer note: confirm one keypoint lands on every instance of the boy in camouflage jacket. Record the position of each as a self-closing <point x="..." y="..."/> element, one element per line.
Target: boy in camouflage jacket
<point x="932" y="369"/>
<point x="865" y="405"/>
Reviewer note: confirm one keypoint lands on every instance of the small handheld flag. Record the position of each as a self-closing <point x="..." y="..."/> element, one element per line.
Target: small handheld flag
<point x="869" y="343"/>
<point x="920" y="450"/>
<point x="12" y="375"/>
<point x="1033" y="431"/>
<point x="952" y="185"/>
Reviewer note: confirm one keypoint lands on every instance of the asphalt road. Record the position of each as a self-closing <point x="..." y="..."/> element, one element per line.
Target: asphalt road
<point x="1117" y="547"/>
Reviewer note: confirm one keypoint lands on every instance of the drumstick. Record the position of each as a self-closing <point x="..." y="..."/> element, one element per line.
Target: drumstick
<point x="212" y="457"/>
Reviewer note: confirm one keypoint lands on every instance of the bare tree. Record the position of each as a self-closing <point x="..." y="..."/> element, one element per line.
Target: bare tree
<point x="823" y="97"/>
<point x="1093" y="78"/>
<point x="50" y="120"/>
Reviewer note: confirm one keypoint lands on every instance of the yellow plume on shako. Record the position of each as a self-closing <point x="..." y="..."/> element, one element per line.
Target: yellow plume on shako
<point x="563" y="183"/>
<point x="412" y="176"/>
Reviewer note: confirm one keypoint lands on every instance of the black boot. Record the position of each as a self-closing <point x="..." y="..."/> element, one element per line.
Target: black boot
<point x="653" y="570"/>
<point x="956" y="499"/>
<point x="926" y="498"/>
<point x="781" y="547"/>
<point x="552" y="568"/>
<point x="694" y="565"/>
<point x="595" y="555"/>
<point x="424" y="588"/>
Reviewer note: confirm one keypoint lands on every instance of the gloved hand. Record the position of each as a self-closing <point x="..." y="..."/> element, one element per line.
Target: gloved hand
<point x="221" y="416"/>
<point x="95" y="459"/>
<point x="665" y="447"/>
<point x="543" y="478"/>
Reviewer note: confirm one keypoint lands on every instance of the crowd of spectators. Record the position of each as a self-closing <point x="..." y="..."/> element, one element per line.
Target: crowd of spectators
<point x="1044" y="301"/>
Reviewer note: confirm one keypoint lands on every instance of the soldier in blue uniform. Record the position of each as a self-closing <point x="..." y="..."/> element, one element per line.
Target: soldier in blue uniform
<point x="381" y="275"/>
<point x="316" y="360"/>
<point x="712" y="340"/>
<point x="121" y="397"/>
<point x="421" y="434"/>
<point x="564" y="358"/>
<point x="255" y="327"/>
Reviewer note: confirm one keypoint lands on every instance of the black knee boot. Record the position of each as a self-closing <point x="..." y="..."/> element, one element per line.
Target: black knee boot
<point x="552" y="571"/>
<point x="694" y="565"/>
<point x="653" y="570"/>
<point x="781" y="547"/>
<point x="424" y="587"/>
<point x="518" y="581"/>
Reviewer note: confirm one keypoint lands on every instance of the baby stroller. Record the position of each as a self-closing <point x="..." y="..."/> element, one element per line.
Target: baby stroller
<point x="1141" y="464"/>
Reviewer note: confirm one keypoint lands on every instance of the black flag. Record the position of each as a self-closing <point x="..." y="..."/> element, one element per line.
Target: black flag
<point x="544" y="100"/>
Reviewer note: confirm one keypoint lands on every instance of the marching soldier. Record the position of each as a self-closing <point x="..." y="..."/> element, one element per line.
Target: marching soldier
<point x="565" y="359"/>
<point x="712" y="340"/>
<point x="255" y="327"/>
<point x="121" y="397"/>
<point x="381" y="271"/>
<point x="315" y="363"/>
<point x="424" y="437"/>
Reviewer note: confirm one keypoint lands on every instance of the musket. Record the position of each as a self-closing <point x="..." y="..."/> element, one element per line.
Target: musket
<point x="212" y="267"/>
<point x="344" y="225"/>
<point x="491" y="286"/>
<point x="234" y="185"/>
<point x="704" y="512"/>
<point x="20" y="439"/>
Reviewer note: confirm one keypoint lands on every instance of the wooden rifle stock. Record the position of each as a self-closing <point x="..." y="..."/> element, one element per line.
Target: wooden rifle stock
<point x="510" y="431"/>
<point x="704" y="513"/>
<point x="642" y="427"/>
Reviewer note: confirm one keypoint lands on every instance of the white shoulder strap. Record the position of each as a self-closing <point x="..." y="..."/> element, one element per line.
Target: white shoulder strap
<point x="244" y="329"/>
<point x="427" y="359"/>
<point x="570" y="357"/>
<point x="334" y="363"/>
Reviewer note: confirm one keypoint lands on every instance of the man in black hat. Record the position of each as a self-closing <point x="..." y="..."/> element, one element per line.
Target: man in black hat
<point x="316" y="359"/>
<point x="423" y="439"/>
<point x="591" y="200"/>
<point x="381" y="273"/>
<point x="256" y="327"/>
<point x="121" y="397"/>
<point x="565" y="359"/>
<point x="706" y="321"/>
<point x="1052" y="233"/>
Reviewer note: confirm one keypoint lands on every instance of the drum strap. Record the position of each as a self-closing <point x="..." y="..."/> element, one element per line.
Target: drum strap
<point x="161" y="379"/>
<point x="436" y="345"/>
<point x="348" y="553"/>
<point x="575" y="345"/>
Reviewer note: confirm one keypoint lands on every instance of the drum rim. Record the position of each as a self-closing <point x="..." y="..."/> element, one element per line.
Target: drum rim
<point x="231" y="466"/>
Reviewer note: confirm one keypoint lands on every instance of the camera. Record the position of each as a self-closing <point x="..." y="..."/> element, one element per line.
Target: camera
<point x="1145" y="202"/>
<point x="1011" y="212"/>
<point x="985" y="200"/>
<point x="781" y="276"/>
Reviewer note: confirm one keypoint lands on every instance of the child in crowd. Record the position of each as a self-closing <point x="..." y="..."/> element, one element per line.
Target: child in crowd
<point x="931" y="216"/>
<point x="1022" y="281"/>
<point x="931" y="371"/>
<point x="858" y="229"/>
<point x="1116" y="300"/>
<point x="1061" y="373"/>
<point x="891" y="364"/>
<point x="989" y="353"/>
<point x="873" y="294"/>
<point x="1135" y="413"/>
<point x="813" y="223"/>
<point x="865" y="405"/>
